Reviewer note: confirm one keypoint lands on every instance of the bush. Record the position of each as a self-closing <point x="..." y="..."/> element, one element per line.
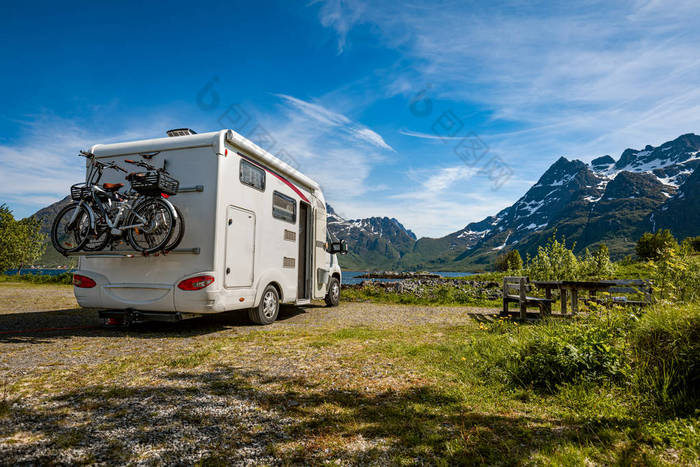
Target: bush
<point x="677" y="274"/>
<point x="572" y="353"/>
<point x="554" y="261"/>
<point x="666" y="350"/>
<point x="597" y="264"/>
<point x="510" y="261"/>
<point x="654" y="245"/>
<point x="63" y="278"/>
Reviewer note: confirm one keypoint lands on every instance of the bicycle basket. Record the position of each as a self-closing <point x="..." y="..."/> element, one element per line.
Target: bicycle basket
<point x="79" y="191"/>
<point x="154" y="183"/>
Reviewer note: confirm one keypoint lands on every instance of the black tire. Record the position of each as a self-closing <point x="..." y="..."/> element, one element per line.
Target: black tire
<point x="332" y="298"/>
<point x="268" y="309"/>
<point x="154" y="236"/>
<point x="67" y="239"/>
<point x="98" y="242"/>
<point x="178" y="232"/>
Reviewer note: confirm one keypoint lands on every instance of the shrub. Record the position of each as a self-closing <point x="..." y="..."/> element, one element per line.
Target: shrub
<point x="63" y="278"/>
<point x="677" y="274"/>
<point x="654" y="245"/>
<point x="574" y="354"/>
<point x="597" y="264"/>
<point x="589" y="349"/>
<point x="510" y="261"/>
<point x="553" y="261"/>
<point x="666" y="352"/>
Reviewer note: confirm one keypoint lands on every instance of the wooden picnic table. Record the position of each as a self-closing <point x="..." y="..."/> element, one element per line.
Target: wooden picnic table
<point x="572" y="288"/>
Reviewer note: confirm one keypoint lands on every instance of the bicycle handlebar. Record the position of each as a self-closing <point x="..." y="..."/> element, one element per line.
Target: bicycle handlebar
<point x="145" y="165"/>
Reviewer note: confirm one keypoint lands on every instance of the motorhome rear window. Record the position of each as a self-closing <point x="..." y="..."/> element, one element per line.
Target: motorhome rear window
<point x="284" y="207"/>
<point x="252" y="175"/>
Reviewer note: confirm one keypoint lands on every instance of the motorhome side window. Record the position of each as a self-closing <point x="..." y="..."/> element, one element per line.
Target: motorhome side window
<point x="252" y="175"/>
<point x="284" y="207"/>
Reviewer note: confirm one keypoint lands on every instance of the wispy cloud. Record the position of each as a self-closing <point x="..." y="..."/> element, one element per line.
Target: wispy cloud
<point x="418" y="134"/>
<point x="592" y="77"/>
<point x="331" y="119"/>
<point x="336" y="151"/>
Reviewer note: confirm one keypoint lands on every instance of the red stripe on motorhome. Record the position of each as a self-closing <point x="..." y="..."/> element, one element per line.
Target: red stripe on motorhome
<point x="284" y="180"/>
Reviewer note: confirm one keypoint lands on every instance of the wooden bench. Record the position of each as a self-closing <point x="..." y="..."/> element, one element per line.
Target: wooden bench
<point x="639" y="287"/>
<point x="521" y="285"/>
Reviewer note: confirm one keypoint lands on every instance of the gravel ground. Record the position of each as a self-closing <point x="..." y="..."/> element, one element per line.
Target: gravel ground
<point x="213" y="389"/>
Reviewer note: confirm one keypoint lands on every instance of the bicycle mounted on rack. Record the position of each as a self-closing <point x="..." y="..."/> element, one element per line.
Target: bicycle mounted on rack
<point x="101" y="215"/>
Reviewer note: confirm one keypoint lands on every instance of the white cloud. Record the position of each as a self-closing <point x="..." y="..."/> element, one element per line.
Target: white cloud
<point x="335" y="120"/>
<point x="41" y="166"/>
<point x="591" y="77"/>
<point x="334" y="150"/>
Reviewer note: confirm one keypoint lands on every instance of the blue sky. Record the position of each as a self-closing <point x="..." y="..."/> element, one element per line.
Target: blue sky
<point x="436" y="113"/>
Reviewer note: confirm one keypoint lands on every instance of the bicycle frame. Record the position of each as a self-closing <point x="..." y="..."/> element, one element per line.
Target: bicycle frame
<point x="124" y="206"/>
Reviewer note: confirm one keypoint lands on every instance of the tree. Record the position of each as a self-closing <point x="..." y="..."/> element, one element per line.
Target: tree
<point x="21" y="242"/>
<point x="597" y="264"/>
<point x="654" y="245"/>
<point x="554" y="261"/>
<point x="510" y="261"/>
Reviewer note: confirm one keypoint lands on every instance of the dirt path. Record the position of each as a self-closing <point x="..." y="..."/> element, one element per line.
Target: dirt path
<point x="213" y="388"/>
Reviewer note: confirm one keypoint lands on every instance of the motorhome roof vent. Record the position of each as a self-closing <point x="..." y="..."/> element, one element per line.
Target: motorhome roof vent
<point x="181" y="132"/>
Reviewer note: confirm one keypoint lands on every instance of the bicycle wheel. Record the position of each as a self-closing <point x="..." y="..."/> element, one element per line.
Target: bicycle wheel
<point x="70" y="228"/>
<point x="98" y="239"/>
<point x="157" y="225"/>
<point x="178" y="232"/>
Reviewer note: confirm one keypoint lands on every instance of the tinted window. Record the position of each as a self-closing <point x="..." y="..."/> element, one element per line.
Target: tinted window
<point x="252" y="175"/>
<point x="284" y="207"/>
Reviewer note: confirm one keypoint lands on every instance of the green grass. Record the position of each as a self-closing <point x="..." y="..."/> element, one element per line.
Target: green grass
<point x="63" y="278"/>
<point x="449" y="393"/>
<point x="444" y="295"/>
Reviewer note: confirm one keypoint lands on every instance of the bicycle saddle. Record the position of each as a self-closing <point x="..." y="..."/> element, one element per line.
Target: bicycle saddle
<point x="112" y="186"/>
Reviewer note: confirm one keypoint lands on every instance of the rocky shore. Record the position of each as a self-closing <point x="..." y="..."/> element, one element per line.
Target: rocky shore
<point x="399" y="275"/>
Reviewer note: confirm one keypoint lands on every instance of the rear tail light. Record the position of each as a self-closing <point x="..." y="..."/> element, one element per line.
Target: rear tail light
<point x="195" y="283"/>
<point x="83" y="282"/>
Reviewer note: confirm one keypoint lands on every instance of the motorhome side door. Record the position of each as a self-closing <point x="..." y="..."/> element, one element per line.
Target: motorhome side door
<point x="240" y="247"/>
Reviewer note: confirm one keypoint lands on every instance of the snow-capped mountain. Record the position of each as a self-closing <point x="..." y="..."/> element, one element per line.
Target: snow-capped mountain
<point x="601" y="201"/>
<point x="372" y="242"/>
<point x="606" y="200"/>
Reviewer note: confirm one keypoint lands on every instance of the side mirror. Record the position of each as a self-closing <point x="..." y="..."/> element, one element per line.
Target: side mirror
<point x="340" y="247"/>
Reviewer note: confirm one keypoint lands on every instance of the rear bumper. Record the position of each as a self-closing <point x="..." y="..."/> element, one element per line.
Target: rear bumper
<point x="133" y="316"/>
<point x="157" y="298"/>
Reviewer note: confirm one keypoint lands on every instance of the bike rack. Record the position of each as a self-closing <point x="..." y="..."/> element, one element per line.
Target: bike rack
<point x="191" y="189"/>
<point x="132" y="253"/>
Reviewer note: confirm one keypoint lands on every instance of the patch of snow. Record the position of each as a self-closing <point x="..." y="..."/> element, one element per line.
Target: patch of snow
<point x="468" y="233"/>
<point x="500" y="247"/>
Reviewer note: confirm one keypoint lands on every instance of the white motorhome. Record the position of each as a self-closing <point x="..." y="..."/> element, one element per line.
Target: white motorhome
<point x="255" y="236"/>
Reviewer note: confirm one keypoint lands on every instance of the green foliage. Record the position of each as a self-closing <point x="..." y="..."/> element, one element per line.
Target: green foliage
<point x="442" y="294"/>
<point x="510" y="261"/>
<point x="21" y="242"/>
<point x="694" y="243"/>
<point x="597" y="264"/>
<point x="677" y="274"/>
<point x="666" y="352"/>
<point x="654" y="245"/>
<point x="554" y="261"/>
<point x="587" y="350"/>
<point x="63" y="278"/>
